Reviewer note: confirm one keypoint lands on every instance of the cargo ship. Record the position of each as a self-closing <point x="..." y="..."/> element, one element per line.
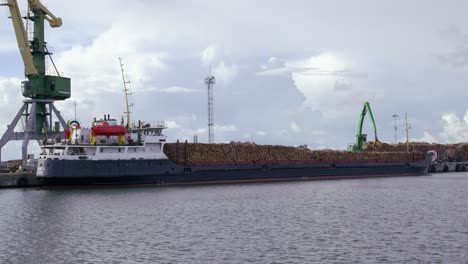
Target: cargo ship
<point x="109" y="154"/>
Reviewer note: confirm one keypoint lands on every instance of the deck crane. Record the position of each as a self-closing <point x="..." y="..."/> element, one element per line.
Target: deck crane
<point x="361" y="138"/>
<point x="40" y="89"/>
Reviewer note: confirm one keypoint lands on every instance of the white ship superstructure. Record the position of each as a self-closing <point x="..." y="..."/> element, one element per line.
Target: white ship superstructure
<point x="143" y="142"/>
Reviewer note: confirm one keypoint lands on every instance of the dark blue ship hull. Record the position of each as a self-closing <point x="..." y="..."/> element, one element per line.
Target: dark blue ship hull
<point x="167" y="172"/>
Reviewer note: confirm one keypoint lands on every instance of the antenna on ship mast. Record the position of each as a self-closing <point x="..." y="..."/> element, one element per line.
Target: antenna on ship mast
<point x="210" y="81"/>
<point x="408" y="127"/>
<point x="395" y="116"/>
<point x="127" y="93"/>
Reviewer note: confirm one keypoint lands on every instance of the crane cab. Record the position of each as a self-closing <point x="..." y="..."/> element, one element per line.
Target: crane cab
<point x="54" y="87"/>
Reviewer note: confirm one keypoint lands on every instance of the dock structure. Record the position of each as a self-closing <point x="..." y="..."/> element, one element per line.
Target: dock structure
<point x="18" y="179"/>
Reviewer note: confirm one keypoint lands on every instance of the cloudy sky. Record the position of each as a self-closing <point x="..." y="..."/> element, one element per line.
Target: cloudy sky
<point x="288" y="72"/>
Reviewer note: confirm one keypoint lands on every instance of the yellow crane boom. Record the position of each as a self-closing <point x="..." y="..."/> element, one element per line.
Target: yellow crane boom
<point x="22" y="38"/>
<point x="22" y="34"/>
<point x="53" y="20"/>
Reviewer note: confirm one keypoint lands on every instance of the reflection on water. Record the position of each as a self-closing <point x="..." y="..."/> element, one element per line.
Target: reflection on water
<point x="400" y="220"/>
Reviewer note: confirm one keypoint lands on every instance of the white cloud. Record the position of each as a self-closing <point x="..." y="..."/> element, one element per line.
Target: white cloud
<point x="175" y="89"/>
<point x="225" y="73"/>
<point x="324" y="81"/>
<point x="274" y="67"/>
<point x="454" y="128"/>
<point x="273" y="63"/>
<point x="325" y="61"/>
<point x="10" y="93"/>
<point x="216" y="58"/>
<point x="171" y="124"/>
<point x="8" y="46"/>
<point x="225" y="128"/>
<point x="201" y="131"/>
<point x="98" y="69"/>
<point x="94" y="67"/>
<point x="275" y="72"/>
<point x="427" y="137"/>
<point x="294" y="127"/>
<point x="209" y="55"/>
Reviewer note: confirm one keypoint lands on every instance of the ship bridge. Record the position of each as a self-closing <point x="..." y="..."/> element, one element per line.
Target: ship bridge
<point x="153" y="129"/>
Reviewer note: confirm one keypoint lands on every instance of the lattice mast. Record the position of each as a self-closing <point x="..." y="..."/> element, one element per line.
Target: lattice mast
<point x="127" y="93"/>
<point x="210" y="81"/>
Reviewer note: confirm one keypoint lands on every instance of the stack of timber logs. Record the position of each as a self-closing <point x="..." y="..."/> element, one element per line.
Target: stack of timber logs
<point x="457" y="151"/>
<point x="234" y="153"/>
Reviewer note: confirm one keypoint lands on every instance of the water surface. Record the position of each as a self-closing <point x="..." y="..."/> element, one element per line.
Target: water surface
<point x="389" y="220"/>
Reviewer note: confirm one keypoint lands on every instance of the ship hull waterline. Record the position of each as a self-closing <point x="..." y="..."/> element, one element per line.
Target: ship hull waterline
<point x="166" y="172"/>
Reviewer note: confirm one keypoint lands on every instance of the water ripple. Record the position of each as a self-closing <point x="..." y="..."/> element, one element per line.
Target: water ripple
<point x="392" y="220"/>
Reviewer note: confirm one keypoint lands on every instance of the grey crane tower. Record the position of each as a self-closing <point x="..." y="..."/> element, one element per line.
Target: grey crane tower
<point x="210" y="81"/>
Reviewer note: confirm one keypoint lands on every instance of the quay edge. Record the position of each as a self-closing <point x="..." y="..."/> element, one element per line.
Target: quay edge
<point x="18" y="179"/>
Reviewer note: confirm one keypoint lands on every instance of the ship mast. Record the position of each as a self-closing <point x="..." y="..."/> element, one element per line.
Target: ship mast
<point x="127" y="93"/>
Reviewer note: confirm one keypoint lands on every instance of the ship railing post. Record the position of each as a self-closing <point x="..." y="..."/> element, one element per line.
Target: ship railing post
<point x="177" y="151"/>
<point x="186" y="152"/>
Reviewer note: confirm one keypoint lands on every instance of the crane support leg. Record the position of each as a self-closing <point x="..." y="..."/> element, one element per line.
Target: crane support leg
<point x="27" y="133"/>
<point x="59" y="116"/>
<point x="9" y="133"/>
<point x="29" y="110"/>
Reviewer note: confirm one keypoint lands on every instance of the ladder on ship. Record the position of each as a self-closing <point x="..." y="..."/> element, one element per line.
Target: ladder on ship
<point x="181" y="152"/>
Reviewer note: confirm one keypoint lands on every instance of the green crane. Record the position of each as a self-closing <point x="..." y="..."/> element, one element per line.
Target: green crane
<point x="40" y="89"/>
<point x="361" y="138"/>
<point x="38" y="85"/>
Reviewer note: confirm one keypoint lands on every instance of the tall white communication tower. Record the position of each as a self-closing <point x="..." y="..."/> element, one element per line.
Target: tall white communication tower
<point x="210" y="81"/>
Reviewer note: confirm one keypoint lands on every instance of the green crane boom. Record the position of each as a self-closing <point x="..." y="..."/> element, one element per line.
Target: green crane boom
<point x="361" y="138"/>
